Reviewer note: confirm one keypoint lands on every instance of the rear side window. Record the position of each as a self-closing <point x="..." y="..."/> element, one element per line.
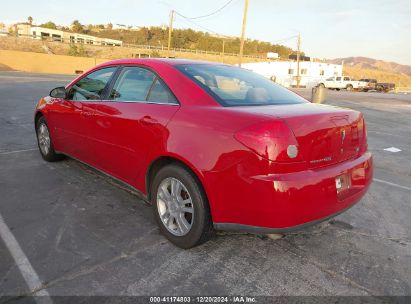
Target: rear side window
<point x="91" y="86"/>
<point x="232" y="86"/>
<point x="159" y="93"/>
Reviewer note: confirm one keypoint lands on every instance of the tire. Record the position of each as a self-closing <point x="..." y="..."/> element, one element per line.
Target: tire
<point x="349" y="87"/>
<point x="167" y="207"/>
<point x="321" y="85"/>
<point x="45" y="142"/>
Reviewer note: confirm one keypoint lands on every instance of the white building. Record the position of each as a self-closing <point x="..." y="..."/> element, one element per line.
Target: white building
<point x="118" y="26"/>
<point x="285" y="72"/>
<point x="42" y="33"/>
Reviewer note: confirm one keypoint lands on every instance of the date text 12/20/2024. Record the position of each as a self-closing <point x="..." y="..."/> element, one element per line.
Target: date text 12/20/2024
<point x="199" y="299"/>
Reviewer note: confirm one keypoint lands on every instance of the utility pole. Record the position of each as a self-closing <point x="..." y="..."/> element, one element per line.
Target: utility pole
<point x="298" y="59"/>
<point x="170" y="30"/>
<point x="243" y="31"/>
<point x="222" y="55"/>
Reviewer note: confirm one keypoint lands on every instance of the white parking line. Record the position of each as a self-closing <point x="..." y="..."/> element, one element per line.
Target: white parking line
<point x="17" y="151"/>
<point x="27" y="271"/>
<point x="391" y="184"/>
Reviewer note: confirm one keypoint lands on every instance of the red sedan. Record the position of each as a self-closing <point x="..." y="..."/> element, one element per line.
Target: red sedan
<point x="210" y="146"/>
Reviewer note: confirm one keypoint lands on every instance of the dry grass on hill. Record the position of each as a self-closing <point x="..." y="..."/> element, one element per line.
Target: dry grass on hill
<point x="400" y="79"/>
<point x="57" y="48"/>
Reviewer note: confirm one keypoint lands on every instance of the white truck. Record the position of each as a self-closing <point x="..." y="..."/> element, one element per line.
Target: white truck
<point x="342" y="82"/>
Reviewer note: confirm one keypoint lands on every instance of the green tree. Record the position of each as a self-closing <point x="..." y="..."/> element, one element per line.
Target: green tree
<point x="76" y="26"/>
<point x="75" y="50"/>
<point x="50" y="25"/>
<point x="190" y="39"/>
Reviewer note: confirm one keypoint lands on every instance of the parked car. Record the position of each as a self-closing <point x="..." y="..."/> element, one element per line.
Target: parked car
<point x="384" y="87"/>
<point x="342" y="82"/>
<point x="211" y="146"/>
<point x="371" y="84"/>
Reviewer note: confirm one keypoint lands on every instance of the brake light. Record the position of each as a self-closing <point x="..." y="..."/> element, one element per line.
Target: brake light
<point x="272" y="140"/>
<point x="364" y="142"/>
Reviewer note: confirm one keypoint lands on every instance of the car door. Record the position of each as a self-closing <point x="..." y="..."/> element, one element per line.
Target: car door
<point x="74" y="117"/>
<point x="132" y="122"/>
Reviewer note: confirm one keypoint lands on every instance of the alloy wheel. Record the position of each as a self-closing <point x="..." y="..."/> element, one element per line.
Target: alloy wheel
<point x="175" y="206"/>
<point x="44" y="138"/>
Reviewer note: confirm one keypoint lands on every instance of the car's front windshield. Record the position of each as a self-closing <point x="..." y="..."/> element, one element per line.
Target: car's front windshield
<point x="232" y="86"/>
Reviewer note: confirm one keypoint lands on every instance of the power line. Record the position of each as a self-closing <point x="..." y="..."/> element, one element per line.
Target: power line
<point x="284" y="39"/>
<point x="204" y="28"/>
<point x="208" y="15"/>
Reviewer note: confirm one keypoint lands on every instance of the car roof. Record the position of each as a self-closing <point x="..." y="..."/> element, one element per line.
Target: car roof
<point x="155" y="61"/>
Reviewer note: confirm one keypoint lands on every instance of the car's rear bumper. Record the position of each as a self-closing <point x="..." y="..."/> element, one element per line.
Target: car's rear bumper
<point x="275" y="203"/>
<point x="264" y="230"/>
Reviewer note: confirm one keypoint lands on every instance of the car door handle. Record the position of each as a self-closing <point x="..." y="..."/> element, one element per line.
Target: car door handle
<point x="148" y="120"/>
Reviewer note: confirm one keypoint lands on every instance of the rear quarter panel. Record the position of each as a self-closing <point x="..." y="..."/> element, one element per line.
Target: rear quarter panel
<point x="202" y="138"/>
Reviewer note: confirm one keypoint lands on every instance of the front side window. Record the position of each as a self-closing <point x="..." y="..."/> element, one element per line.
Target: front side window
<point x="133" y="84"/>
<point x="346" y="78"/>
<point x="232" y="86"/>
<point x="338" y="78"/>
<point x="91" y="86"/>
<point x="136" y="84"/>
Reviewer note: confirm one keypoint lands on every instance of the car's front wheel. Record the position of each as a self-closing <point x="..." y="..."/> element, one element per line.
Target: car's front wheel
<point x="44" y="141"/>
<point x="181" y="207"/>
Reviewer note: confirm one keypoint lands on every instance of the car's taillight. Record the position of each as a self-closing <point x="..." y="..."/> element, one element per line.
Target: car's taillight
<point x="364" y="143"/>
<point x="272" y="140"/>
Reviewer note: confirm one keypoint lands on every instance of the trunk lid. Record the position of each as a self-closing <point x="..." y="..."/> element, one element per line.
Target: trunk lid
<point x="325" y="134"/>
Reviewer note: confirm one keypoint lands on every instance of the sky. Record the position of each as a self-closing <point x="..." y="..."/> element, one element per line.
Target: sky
<point x="379" y="29"/>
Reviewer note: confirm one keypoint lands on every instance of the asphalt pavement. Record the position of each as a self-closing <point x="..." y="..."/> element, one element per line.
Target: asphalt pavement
<point x="84" y="234"/>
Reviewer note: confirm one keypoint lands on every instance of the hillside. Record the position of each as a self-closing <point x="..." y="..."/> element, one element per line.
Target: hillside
<point x="383" y="71"/>
<point x="95" y="51"/>
<point x="400" y="80"/>
<point x="374" y="64"/>
<point x="188" y="39"/>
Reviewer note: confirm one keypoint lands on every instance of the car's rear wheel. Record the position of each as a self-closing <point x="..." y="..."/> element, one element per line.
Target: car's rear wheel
<point x="181" y="207"/>
<point x="44" y="141"/>
<point x="321" y="85"/>
<point x="349" y="87"/>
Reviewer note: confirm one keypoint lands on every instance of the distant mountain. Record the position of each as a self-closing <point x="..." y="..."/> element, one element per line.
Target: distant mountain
<point x="383" y="71"/>
<point x="374" y="64"/>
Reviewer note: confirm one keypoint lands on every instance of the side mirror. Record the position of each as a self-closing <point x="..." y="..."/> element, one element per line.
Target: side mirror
<point x="59" y="92"/>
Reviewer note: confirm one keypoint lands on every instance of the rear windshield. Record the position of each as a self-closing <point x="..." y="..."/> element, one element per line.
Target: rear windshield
<point x="232" y="86"/>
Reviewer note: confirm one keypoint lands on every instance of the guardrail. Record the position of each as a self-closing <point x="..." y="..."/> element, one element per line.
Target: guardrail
<point x="126" y="45"/>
